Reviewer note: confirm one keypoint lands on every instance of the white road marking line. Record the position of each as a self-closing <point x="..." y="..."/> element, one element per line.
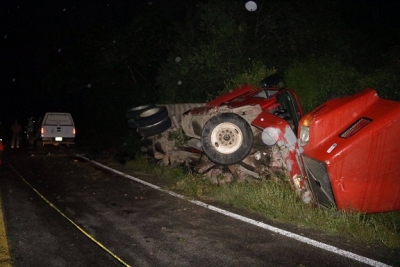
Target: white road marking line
<point x="265" y="226"/>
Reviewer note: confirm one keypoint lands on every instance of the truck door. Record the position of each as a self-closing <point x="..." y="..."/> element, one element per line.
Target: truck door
<point x="293" y="113"/>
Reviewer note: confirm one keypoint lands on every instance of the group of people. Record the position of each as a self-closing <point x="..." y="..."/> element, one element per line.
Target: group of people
<point x="16" y="132"/>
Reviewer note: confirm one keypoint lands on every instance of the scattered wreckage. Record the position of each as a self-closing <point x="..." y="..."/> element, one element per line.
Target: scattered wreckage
<point x="345" y="153"/>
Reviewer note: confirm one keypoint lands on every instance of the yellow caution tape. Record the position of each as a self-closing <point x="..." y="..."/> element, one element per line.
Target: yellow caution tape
<point x="71" y="221"/>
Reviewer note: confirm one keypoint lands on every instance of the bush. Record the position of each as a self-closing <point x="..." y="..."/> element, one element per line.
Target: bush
<point x="130" y="147"/>
<point x="253" y="76"/>
<point x="318" y="80"/>
<point x="384" y="81"/>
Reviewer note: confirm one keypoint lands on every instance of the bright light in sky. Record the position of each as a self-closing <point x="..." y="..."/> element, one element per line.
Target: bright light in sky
<point x="251" y="6"/>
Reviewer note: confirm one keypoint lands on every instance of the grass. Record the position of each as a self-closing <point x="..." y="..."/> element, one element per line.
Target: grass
<point x="278" y="202"/>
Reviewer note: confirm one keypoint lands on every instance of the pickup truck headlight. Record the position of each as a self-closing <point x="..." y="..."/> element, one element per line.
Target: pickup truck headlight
<point x="304" y="135"/>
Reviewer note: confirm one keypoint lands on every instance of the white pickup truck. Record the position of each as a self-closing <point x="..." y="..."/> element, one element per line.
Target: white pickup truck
<point x="55" y="128"/>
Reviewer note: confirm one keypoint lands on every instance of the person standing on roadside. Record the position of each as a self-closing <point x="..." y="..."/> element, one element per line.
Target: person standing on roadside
<point x="15" y="130"/>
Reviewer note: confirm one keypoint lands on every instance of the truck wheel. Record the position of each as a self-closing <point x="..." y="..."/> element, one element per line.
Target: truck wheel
<point x="156" y="128"/>
<point x="151" y="116"/>
<point x="227" y="139"/>
<point x="133" y="112"/>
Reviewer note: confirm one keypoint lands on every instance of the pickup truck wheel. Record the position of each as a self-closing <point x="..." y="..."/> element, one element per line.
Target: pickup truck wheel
<point x="156" y="128"/>
<point x="133" y="112"/>
<point x="227" y="139"/>
<point x="151" y="116"/>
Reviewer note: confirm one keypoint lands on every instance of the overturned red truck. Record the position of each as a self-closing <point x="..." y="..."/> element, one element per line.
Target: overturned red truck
<point x="343" y="154"/>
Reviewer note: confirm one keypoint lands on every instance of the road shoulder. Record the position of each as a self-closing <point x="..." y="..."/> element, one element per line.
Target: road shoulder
<point x="5" y="257"/>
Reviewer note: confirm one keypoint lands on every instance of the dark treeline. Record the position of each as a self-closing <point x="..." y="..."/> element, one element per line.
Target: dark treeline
<point x="190" y="51"/>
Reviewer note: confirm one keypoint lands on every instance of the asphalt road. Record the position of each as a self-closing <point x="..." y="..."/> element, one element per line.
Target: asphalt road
<point x="62" y="211"/>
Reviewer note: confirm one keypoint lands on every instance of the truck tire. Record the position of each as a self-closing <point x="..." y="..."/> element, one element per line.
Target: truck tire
<point x="226" y="139"/>
<point x="156" y="128"/>
<point x="151" y="116"/>
<point x="133" y="112"/>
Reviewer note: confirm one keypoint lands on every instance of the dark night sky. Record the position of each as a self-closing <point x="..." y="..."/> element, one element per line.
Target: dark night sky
<point x="33" y="37"/>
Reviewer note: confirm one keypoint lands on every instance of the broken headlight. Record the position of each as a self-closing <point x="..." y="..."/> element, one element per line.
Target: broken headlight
<point x="304" y="135"/>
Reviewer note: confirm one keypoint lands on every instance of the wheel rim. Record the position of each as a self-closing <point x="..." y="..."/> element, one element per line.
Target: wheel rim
<point x="226" y="138"/>
<point x="149" y="112"/>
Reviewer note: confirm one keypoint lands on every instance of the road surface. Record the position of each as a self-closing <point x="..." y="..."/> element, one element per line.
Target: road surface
<point x="60" y="210"/>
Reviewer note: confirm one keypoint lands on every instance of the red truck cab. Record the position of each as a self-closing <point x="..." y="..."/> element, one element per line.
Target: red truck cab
<point x="350" y="149"/>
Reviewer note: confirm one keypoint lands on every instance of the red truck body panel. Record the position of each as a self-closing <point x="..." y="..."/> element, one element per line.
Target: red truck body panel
<point x="284" y="133"/>
<point x="241" y="91"/>
<point x="352" y="159"/>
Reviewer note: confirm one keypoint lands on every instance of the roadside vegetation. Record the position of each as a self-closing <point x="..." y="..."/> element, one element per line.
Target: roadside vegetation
<point x="276" y="201"/>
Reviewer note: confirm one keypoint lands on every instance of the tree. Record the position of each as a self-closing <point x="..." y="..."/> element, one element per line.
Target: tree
<point x="222" y="41"/>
